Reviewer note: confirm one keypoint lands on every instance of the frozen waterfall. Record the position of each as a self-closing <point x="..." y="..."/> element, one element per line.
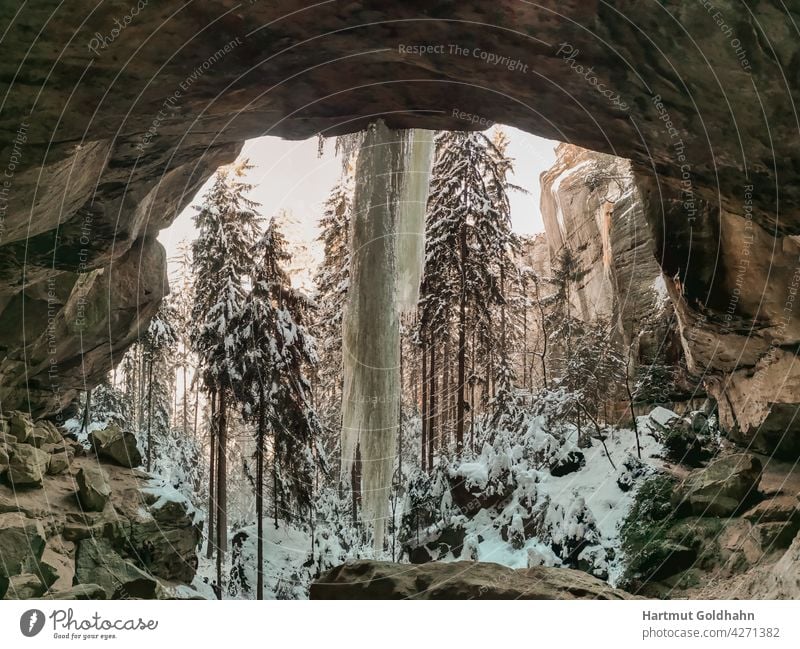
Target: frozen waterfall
<point x="411" y="226"/>
<point x="384" y="274"/>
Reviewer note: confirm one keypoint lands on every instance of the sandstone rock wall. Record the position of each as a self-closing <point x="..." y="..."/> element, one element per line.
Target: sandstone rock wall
<point x="591" y="206"/>
<point x="74" y="526"/>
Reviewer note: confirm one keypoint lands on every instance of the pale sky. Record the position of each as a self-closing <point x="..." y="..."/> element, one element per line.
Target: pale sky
<point x="290" y="176"/>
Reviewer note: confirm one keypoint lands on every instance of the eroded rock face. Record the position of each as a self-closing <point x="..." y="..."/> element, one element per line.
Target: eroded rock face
<point x="101" y="526"/>
<point x="112" y="161"/>
<point x="457" y="580"/>
<point x="590" y="203"/>
<point x="592" y="207"/>
<point x="99" y="312"/>
<point x="722" y="487"/>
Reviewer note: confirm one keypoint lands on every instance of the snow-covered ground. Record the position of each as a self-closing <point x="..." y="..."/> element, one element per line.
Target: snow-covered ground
<point x="286" y="550"/>
<point x="571" y="518"/>
<point x="589" y="503"/>
<point x="583" y="508"/>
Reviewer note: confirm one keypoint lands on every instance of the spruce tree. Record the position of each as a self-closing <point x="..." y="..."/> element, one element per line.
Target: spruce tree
<point x="468" y="264"/>
<point x="222" y="254"/>
<point x="158" y="348"/>
<point x="276" y="353"/>
<point x="331" y="284"/>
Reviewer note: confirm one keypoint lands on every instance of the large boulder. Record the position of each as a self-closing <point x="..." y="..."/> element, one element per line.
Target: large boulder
<point x="97" y="562"/>
<point x="93" y="488"/>
<point x="722" y="488"/>
<point x="776" y="509"/>
<point x="44" y="432"/>
<point x="117" y="445"/>
<point x="457" y="580"/>
<point x="78" y="592"/>
<point x="22" y="542"/>
<point x="61" y="456"/>
<point x="27" y="465"/>
<point x="25" y="586"/>
<point x="20" y="425"/>
<point x="165" y="537"/>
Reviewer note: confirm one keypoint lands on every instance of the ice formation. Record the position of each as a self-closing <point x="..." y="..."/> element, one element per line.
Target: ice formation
<point x="411" y="226"/>
<point x="371" y="328"/>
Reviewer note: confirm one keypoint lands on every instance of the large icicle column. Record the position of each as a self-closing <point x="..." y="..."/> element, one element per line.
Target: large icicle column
<point x="371" y="329"/>
<point x="411" y="228"/>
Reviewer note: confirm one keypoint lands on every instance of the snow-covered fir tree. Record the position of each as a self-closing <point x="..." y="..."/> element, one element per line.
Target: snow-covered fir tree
<point x="158" y="345"/>
<point x="506" y="247"/>
<point x="331" y="283"/>
<point x="276" y="354"/>
<point x="222" y="256"/>
<point x="469" y="253"/>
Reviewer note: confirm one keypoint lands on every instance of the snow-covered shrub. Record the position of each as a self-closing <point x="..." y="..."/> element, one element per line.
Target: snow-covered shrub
<point x="335" y="538"/>
<point x="631" y="470"/>
<point x="643" y="531"/>
<point x="692" y="439"/>
<point x="506" y="504"/>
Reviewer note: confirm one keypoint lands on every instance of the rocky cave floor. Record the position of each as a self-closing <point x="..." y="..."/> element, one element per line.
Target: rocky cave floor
<point x="89" y="525"/>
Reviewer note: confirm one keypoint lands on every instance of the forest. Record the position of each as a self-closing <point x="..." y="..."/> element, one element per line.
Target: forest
<point x="238" y="396"/>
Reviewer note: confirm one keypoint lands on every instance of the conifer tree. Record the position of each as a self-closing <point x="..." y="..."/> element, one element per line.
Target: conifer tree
<point x="469" y="254"/>
<point x="158" y="345"/>
<point x="227" y="224"/>
<point x="331" y="283"/>
<point x="276" y="353"/>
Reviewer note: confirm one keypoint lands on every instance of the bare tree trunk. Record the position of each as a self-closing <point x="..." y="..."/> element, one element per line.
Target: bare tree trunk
<point x="174" y="418"/>
<point x="446" y="413"/>
<point x="140" y="408"/>
<point x="400" y="427"/>
<point x="630" y="403"/>
<point x="222" y="487"/>
<point x="424" y="411"/>
<point x="432" y="413"/>
<point x="356" y="485"/>
<point x="543" y="321"/>
<point x="87" y="409"/>
<point x="275" y="485"/>
<point x="525" y="344"/>
<point x="260" y="494"/>
<point x="462" y="340"/>
<point x="600" y="435"/>
<point x="415" y="376"/>
<point x="503" y="337"/>
<point x="196" y="409"/>
<point x="490" y="377"/>
<point x="150" y="413"/>
<point x="472" y="403"/>
<point x="185" y="404"/>
<point x="487" y="379"/>
<point x="212" y="472"/>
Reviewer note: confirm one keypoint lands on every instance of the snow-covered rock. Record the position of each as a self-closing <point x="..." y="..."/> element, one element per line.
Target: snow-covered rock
<point x="663" y="418"/>
<point x="458" y="580"/>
